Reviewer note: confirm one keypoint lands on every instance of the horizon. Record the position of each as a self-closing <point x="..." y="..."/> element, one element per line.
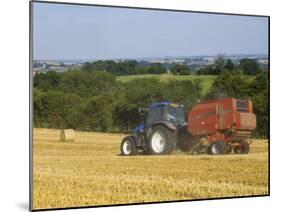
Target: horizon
<point x="166" y="56"/>
<point x="71" y="32"/>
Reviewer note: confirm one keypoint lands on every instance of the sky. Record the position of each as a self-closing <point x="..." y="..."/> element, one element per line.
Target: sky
<point x="62" y="32"/>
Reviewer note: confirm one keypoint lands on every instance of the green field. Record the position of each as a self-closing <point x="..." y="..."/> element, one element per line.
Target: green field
<point x="207" y="80"/>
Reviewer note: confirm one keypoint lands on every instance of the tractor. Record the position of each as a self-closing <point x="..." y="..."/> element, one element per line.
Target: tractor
<point x="213" y="127"/>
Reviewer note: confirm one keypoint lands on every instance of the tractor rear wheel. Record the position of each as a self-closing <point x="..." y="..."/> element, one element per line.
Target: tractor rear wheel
<point x="160" y="141"/>
<point x="217" y="148"/>
<point x="128" y="146"/>
<point x="244" y="148"/>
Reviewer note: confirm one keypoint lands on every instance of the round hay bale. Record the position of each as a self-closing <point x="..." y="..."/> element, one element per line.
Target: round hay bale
<point x="67" y="135"/>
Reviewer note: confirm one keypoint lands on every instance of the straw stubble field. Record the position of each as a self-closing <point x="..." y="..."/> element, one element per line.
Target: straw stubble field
<point x="90" y="172"/>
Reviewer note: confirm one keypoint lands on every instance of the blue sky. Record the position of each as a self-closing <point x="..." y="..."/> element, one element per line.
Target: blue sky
<point x="89" y="32"/>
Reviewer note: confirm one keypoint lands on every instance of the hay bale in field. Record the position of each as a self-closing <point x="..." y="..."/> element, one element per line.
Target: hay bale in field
<point x="67" y="135"/>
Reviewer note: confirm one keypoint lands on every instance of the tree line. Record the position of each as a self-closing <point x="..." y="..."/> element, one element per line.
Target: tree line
<point x="246" y="66"/>
<point x="93" y="100"/>
<point x="133" y="67"/>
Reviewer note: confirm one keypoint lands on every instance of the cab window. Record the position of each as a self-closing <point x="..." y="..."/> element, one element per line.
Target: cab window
<point x="155" y="114"/>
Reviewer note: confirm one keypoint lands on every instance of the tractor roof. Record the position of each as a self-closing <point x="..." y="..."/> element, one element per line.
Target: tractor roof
<point x="157" y="104"/>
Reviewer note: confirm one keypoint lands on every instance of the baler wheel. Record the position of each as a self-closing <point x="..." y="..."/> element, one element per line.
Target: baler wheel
<point x="228" y="149"/>
<point x="244" y="148"/>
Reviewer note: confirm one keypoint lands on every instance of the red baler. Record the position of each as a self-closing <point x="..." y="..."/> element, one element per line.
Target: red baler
<point x="225" y="124"/>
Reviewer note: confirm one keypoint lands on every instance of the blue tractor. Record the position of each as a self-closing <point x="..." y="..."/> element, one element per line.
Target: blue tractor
<point x="164" y="129"/>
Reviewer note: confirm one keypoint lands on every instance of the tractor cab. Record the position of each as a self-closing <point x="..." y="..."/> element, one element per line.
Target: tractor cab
<point x="156" y="135"/>
<point x="166" y="111"/>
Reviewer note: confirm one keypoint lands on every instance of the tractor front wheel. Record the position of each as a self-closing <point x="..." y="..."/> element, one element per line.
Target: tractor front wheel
<point x="128" y="146"/>
<point x="160" y="141"/>
<point x="217" y="148"/>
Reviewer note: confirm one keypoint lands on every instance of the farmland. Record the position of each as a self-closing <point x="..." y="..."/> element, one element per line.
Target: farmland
<point x="206" y="80"/>
<point x="90" y="172"/>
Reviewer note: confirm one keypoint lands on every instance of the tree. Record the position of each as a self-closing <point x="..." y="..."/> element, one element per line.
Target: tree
<point x="48" y="80"/>
<point x="209" y="69"/>
<point x="259" y="96"/>
<point x="125" y="114"/>
<point x="229" y="84"/>
<point x="87" y="67"/>
<point x="249" y="66"/>
<point x="56" y="109"/>
<point x="180" y="69"/>
<point x="98" y="113"/>
<point x="219" y="65"/>
<point x="157" y="68"/>
<point x="229" y="65"/>
<point x="103" y="82"/>
<point x="261" y="110"/>
<point x="213" y="69"/>
<point x="183" y="91"/>
<point x="110" y="66"/>
<point x="82" y="83"/>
